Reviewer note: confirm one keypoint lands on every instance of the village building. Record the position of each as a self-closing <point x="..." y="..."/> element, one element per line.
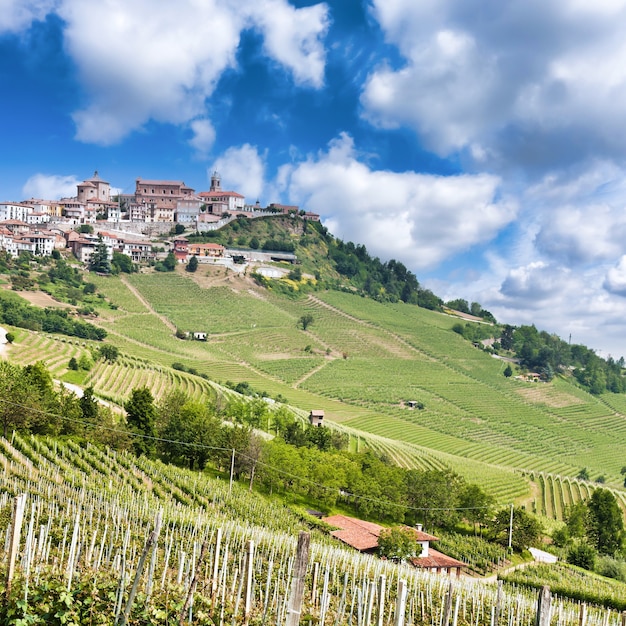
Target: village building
<point x="181" y="249"/>
<point x="188" y="210"/>
<point x="14" y="211"/>
<point x="206" y="250"/>
<point x="163" y="195"/>
<point x="364" y="536"/>
<point x="217" y="201"/>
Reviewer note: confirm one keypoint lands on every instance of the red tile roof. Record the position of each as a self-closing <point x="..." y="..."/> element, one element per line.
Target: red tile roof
<point x="217" y="194"/>
<point x="355" y="532"/>
<point x="436" y="560"/>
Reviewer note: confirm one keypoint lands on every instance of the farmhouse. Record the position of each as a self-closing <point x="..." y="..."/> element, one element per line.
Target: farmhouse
<point x="363" y="536"/>
<point x="316" y="417"/>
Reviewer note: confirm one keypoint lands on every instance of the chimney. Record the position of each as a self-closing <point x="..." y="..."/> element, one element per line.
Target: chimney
<point x="419" y="527"/>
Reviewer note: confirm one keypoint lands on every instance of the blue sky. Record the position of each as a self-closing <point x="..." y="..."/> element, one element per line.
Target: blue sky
<point x="482" y="143"/>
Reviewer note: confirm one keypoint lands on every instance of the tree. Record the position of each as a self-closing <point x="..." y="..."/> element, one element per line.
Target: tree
<point x="109" y="353"/>
<point x="606" y="524"/>
<point x="192" y="266"/>
<point x="582" y="555"/>
<point x="305" y="320"/>
<point x="398" y="542"/>
<point x="508" y="372"/>
<point x="577" y="519"/>
<point x="583" y="474"/>
<point x="88" y="405"/>
<point x="122" y="263"/>
<point x="100" y="258"/>
<point x="526" y="528"/>
<point x="170" y="262"/>
<point x="141" y="417"/>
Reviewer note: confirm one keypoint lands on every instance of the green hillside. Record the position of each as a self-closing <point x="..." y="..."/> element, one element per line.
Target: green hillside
<point x="361" y="361"/>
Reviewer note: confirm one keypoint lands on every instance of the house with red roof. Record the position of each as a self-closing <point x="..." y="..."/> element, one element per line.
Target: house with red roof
<point x="217" y="201"/>
<point x="363" y="536"/>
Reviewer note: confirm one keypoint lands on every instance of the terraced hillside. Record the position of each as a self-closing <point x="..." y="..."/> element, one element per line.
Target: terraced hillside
<point x="362" y="361"/>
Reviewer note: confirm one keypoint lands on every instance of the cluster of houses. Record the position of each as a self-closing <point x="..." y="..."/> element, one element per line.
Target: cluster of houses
<point x="40" y="226"/>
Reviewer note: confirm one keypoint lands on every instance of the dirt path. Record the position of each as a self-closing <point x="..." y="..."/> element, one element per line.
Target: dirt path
<point x="403" y="342"/>
<point x="148" y="306"/>
<point x="310" y="373"/>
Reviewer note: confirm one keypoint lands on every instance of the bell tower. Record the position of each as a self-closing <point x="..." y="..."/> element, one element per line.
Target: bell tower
<point x="216" y="183"/>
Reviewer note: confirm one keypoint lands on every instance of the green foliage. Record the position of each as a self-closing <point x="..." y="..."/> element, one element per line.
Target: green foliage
<point x="192" y="266"/>
<point x="568" y="581"/>
<point x="109" y="353"/>
<point x="122" y="263"/>
<point x="606" y="522"/>
<point x="10" y="337"/>
<point x="306" y="320"/>
<point x="527" y="529"/>
<point x="15" y="312"/>
<point x="508" y="371"/>
<point x="582" y="555"/>
<point x="398" y="542"/>
<point x="99" y="261"/>
<point x="141" y="418"/>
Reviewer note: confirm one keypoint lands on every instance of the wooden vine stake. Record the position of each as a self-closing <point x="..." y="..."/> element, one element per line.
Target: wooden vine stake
<point x="401" y="603"/>
<point x="297" y="583"/>
<point x="543" y="607"/>
<point x="249" y="575"/>
<point x="19" y="504"/>
<point x="381" y="601"/>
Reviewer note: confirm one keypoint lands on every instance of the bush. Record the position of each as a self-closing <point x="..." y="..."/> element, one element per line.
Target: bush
<point x="582" y="555"/>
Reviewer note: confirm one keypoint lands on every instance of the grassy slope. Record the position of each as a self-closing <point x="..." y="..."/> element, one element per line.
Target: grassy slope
<point x="395" y="353"/>
<point x="475" y="420"/>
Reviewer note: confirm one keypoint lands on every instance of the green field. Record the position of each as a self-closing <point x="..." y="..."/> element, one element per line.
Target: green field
<point x="360" y="361"/>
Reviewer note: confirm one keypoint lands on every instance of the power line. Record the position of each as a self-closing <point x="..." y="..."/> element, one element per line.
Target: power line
<point x="190" y="444"/>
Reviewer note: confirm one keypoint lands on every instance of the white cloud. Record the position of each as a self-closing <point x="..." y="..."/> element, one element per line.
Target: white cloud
<point x="138" y="63"/>
<point x="531" y="83"/>
<point x="615" y="281"/>
<point x="50" y="186"/>
<point x="419" y="218"/>
<point x="243" y="170"/>
<point x="16" y="15"/>
<point x="203" y="135"/>
<point x="293" y="37"/>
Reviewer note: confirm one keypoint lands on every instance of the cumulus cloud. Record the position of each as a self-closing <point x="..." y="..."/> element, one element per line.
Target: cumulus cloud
<point x="138" y="64"/>
<point x="422" y="219"/>
<point x="243" y="171"/>
<point x="15" y="15"/>
<point x="203" y="135"/>
<point x="293" y="37"/>
<point x="513" y="86"/>
<point x="615" y="281"/>
<point x="50" y="186"/>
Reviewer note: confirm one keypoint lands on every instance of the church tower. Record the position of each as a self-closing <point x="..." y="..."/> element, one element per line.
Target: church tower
<point x="216" y="183"/>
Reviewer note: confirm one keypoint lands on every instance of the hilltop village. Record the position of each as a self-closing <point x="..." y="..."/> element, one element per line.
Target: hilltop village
<point x="126" y="223"/>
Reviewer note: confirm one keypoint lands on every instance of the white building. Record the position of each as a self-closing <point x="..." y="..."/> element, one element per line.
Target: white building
<point x="14" y="211"/>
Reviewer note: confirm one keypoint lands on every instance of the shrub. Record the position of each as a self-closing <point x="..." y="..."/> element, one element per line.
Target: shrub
<point x="582" y="555"/>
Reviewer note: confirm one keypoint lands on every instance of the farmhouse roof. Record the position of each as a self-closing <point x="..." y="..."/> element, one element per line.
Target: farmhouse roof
<point x="437" y="560"/>
<point x="355" y="532"/>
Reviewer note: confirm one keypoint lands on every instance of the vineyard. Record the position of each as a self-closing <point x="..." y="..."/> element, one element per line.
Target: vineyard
<point x="100" y="537"/>
<point x="362" y="362"/>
